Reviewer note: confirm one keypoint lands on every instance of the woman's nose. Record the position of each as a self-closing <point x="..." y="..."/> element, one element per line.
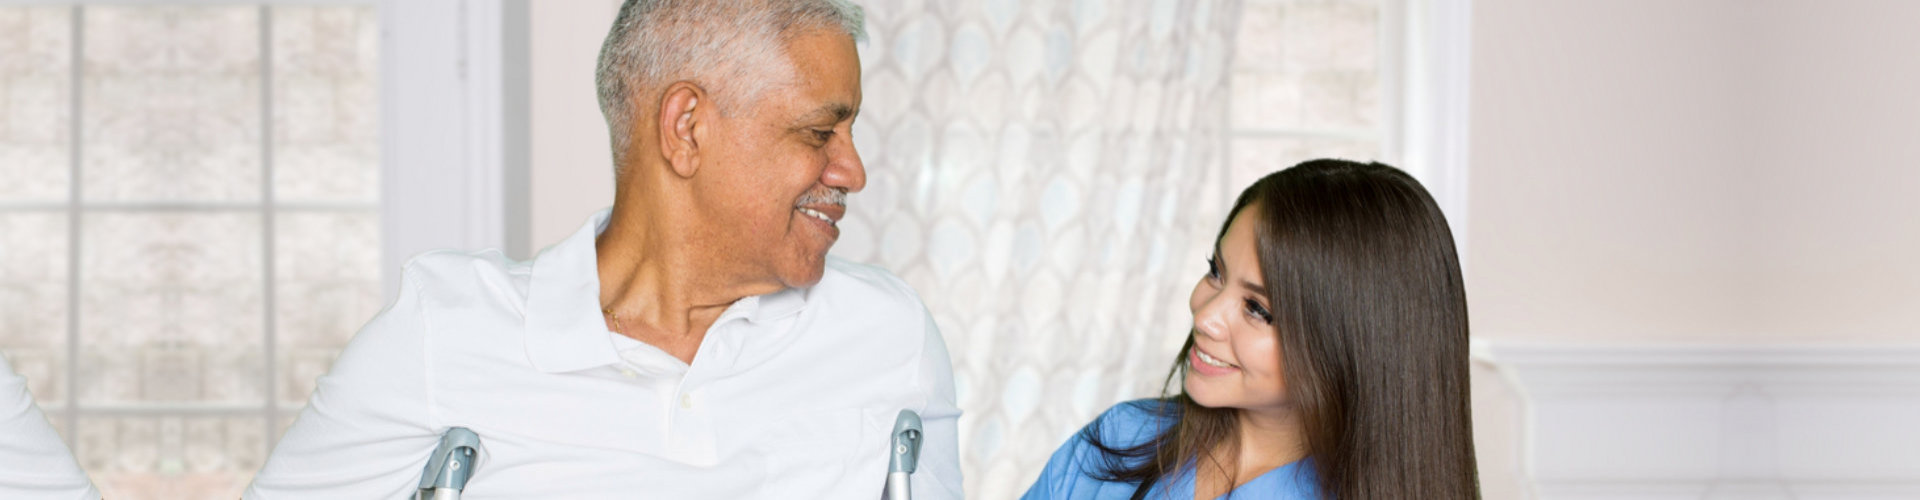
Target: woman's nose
<point x="1209" y="320"/>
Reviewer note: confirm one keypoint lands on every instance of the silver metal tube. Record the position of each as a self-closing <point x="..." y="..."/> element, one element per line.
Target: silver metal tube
<point x="899" y="486"/>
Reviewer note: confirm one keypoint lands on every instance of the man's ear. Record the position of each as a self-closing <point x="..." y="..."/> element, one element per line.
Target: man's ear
<point x="680" y="111"/>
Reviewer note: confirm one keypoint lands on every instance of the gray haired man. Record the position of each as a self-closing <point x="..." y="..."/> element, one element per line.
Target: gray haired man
<point x="692" y="341"/>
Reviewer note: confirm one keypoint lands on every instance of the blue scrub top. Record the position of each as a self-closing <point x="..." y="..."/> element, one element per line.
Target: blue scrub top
<point x="1070" y="473"/>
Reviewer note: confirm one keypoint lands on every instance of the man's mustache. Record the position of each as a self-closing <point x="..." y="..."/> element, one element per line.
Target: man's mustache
<point x="826" y="196"/>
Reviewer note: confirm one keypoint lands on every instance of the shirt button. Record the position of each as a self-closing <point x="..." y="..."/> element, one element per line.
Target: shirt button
<point x="628" y="372"/>
<point x="686" y="401"/>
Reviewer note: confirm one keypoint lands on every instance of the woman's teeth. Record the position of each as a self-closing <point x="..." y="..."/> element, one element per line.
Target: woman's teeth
<point x="816" y="214"/>
<point x="1204" y="358"/>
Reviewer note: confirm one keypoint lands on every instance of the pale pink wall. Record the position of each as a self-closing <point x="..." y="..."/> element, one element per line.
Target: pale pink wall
<point x="1836" y="154"/>
<point x="1699" y="171"/>
<point x="572" y="167"/>
<point x="1706" y="171"/>
<point x="1603" y="140"/>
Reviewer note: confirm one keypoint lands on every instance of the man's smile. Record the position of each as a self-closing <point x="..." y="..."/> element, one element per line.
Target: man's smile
<point x="829" y="214"/>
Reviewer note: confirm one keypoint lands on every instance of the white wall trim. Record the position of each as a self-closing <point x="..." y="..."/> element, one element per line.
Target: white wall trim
<point x="1435" y="100"/>
<point x="1716" y="421"/>
<point x="443" y="106"/>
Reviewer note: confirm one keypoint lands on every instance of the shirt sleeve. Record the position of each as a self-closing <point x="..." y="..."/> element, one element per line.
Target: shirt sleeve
<point x="1062" y="471"/>
<point x="1069" y="473"/>
<point x="34" y="464"/>
<point x="367" y="430"/>
<point x="938" y="476"/>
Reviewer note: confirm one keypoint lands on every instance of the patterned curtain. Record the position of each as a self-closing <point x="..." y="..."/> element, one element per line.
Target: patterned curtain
<point x="1049" y="175"/>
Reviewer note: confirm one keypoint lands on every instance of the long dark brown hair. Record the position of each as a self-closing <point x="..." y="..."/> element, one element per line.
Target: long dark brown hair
<point x="1371" y="318"/>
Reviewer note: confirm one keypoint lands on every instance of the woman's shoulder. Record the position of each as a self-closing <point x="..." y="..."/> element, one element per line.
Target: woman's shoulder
<point x="1114" y="439"/>
<point x="1142" y="411"/>
<point x="1132" y="423"/>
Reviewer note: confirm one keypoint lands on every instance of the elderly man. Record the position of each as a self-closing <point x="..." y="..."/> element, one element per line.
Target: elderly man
<point x="694" y="341"/>
<point x="34" y="464"/>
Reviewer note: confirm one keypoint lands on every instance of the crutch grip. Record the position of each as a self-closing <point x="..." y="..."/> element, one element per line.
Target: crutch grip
<point x="906" y="443"/>
<point x="450" y="466"/>
<point x="903" y="455"/>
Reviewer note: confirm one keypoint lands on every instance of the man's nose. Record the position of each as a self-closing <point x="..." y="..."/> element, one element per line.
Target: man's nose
<point x="844" y="168"/>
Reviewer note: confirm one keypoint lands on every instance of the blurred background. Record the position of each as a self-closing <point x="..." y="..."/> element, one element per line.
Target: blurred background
<point x="1687" y="226"/>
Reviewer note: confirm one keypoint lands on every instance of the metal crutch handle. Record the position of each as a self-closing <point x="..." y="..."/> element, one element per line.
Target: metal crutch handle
<point x="904" y="455"/>
<point x="450" y="466"/>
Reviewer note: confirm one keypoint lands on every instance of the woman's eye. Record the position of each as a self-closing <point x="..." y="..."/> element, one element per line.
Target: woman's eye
<point x="1213" y="268"/>
<point x="1259" y="312"/>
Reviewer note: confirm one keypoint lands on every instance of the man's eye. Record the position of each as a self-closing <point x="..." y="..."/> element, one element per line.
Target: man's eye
<point x="823" y="135"/>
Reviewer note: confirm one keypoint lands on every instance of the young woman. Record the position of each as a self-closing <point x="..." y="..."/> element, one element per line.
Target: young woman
<point x="1327" y="360"/>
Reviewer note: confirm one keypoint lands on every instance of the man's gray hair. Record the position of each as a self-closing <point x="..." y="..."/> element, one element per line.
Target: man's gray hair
<point x="722" y="45"/>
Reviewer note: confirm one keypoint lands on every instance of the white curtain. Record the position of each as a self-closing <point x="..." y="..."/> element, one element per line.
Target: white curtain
<point x="1049" y="176"/>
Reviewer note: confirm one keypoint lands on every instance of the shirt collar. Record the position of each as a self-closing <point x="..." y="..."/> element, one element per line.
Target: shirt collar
<point x="565" y="330"/>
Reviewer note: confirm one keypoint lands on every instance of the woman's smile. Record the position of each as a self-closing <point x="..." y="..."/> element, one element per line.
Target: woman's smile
<point x="1206" y="364"/>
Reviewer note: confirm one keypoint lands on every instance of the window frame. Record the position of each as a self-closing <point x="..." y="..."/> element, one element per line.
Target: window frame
<point x="440" y="186"/>
<point x="1434" y="40"/>
<point x="448" y="187"/>
<point x="1424" y="96"/>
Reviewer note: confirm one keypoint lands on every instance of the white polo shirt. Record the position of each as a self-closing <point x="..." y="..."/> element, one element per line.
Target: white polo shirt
<point x="791" y="394"/>
<point x="34" y="464"/>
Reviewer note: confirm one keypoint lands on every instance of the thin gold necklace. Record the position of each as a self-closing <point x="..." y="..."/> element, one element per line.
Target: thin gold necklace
<point x="612" y="318"/>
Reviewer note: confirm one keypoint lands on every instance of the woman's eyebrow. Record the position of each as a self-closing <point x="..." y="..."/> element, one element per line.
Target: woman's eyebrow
<point x="1221" y="260"/>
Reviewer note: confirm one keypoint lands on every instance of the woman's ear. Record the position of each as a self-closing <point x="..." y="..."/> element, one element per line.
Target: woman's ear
<point x="680" y="111"/>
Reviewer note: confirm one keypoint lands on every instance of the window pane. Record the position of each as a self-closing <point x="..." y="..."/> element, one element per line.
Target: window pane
<point x="33" y="287"/>
<point x="325" y="104"/>
<point x="327" y="275"/>
<point x="171" y="103"/>
<point x="1255" y="157"/>
<point x="171" y="457"/>
<point x="171" y="308"/>
<point x="1308" y="65"/>
<point x="36" y="74"/>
